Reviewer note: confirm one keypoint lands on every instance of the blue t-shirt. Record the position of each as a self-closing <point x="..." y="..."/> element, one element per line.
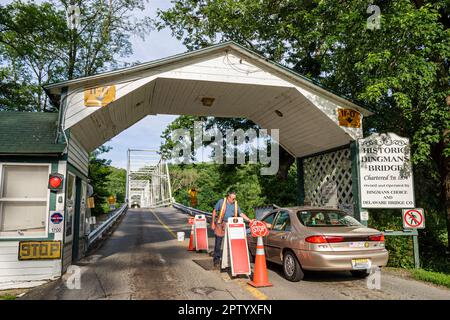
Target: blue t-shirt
<point x="229" y="211"/>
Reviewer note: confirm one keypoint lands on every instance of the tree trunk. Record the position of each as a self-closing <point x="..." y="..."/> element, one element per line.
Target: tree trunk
<point x="445" y="183"/>
<point x="72" y="55"/>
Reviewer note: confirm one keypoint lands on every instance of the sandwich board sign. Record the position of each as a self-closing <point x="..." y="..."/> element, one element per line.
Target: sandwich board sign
<point x="235" y="249"/>
<point x="200" y="232"/>
<point x="385" y="172"/>
<point x="413" y="218"/>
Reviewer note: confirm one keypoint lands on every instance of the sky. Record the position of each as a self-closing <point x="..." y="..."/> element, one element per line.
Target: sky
<point x="146" y="133"/>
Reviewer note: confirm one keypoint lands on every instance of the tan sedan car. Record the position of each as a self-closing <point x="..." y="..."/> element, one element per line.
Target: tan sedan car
<point x="320" y="239"/>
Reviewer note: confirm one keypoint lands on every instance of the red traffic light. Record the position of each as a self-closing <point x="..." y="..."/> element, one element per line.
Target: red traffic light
<point x="55" y="181"/>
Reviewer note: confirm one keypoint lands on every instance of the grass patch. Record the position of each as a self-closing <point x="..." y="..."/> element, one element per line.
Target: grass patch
<point x="438" y="278"/>
<point x="7" y="297"/>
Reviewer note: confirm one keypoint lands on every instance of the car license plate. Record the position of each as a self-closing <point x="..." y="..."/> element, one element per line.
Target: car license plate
<point x="361" y="263"/>
<point x="359" y="244"/>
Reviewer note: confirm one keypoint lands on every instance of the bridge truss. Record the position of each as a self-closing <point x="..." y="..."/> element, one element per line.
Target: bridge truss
<point x="148" y="179"/>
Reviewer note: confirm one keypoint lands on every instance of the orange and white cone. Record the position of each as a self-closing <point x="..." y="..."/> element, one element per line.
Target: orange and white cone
<point x="191" y="240"/>
<point x="260" y="276"/>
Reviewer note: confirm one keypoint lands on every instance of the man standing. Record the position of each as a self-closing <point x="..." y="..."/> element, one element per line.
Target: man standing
<point x="224" y="209"/>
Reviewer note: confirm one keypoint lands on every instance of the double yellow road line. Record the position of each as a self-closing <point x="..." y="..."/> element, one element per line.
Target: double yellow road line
<point x="164" y="225"/>
<point x="253" y="291"/>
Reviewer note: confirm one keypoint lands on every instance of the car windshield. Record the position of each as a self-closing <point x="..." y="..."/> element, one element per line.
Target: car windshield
<point x="326" y="218"/>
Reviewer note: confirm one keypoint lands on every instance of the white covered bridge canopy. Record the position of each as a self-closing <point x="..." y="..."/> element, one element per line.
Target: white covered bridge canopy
<point x="238" y="83"/>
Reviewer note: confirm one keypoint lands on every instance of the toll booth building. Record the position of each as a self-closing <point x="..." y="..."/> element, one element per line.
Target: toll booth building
<point x="44" y="156"/>
<point x="32" y="215"/>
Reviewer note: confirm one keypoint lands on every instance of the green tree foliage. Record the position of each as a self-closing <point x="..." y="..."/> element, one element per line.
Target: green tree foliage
<point x="222" y="125"/>
<point x="37" y="47"/>
<point x="106" y="180"/>
<point x="401" y="69"/>
<point x="116" y="183"/>
<point x="181" y="122"/>
<point x="30" y="34"/>
<point x="213" y="181"/>
<point x="99" y="172"/>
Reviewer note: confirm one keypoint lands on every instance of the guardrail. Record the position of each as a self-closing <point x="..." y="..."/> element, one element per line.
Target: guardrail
<point x="415" y="237"/>
<point x="161" y="203"/>
<point x="191" y="211"/>
<point x="98" y="232"/>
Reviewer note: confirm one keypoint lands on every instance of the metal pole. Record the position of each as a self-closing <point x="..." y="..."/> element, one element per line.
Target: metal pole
<point x="127" y="191"/>
<point x="161" y="183"/>
<point x="416" y="250"/>
<point x="168" y="183"/>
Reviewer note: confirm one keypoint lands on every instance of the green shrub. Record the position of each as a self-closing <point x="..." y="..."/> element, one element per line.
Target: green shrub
<point x="438" y="278"/>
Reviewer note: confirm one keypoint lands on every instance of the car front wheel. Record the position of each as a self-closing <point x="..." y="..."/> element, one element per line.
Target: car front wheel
<point x="291" y="267"/>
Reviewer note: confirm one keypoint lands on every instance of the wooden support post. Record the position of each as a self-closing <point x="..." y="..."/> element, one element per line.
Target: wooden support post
<point x="300" y="182"/>
<point x="354" y="152"/>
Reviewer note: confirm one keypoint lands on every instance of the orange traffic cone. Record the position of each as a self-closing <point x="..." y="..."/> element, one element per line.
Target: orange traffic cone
<point x="191" y="240"/>
<point x="260" y="277"/>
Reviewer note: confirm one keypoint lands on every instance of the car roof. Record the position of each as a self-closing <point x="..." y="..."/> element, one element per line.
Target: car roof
<point x="297" y="208"/>
<point x="293" y="210"/>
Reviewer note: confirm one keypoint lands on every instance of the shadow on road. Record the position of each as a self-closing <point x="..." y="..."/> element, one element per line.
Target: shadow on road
<point x="316" y="276"/>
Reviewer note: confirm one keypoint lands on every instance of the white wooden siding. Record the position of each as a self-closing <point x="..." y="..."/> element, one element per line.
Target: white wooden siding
<point x="242" y="87"/>
<point x="67" y="256"/>
<point x="78" y="156"/>
<point x="13" y="270"/>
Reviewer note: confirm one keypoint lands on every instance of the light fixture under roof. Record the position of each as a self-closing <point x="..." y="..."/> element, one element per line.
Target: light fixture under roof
<point x="207" y="101"/>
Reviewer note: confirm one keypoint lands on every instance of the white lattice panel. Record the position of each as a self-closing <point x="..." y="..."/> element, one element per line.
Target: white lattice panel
<point x="328" y="180"/>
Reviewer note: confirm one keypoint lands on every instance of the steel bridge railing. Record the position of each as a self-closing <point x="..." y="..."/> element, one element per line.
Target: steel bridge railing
<point x="161" y="203"/>
<point x="191" y="211"/>
<point x="100" y="230"/>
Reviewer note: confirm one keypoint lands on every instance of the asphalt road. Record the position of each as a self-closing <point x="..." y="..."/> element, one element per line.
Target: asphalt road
<point x="143" y="260"/>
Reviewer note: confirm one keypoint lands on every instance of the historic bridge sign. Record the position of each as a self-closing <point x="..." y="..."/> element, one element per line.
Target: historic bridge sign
<point x="386" y="179"/>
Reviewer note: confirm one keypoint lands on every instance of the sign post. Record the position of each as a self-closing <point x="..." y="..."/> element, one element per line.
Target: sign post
<point x="191" y="236"/>
<point x="385" y="180"/>
<point x="200" y="232"/>
<point x="193" y="197"/>
<point x="112" y="202"/>
<point x="414" y="219"/>
<point x="235" y="250"/>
